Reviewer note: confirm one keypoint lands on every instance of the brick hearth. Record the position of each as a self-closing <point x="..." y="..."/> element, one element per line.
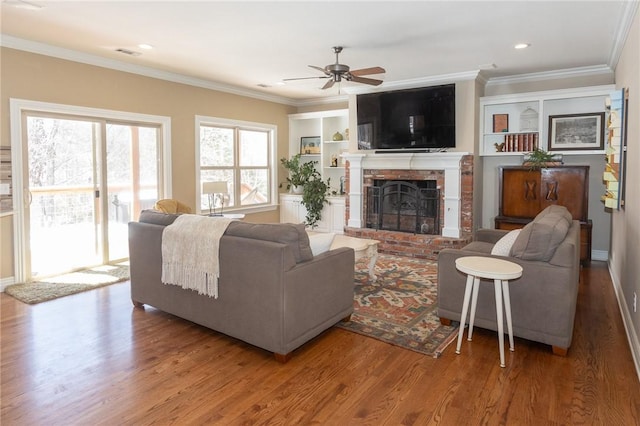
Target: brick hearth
<point x="422" y="246"/>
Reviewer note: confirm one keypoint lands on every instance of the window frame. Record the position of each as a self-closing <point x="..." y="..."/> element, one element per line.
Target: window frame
<point x="271" y="166"/>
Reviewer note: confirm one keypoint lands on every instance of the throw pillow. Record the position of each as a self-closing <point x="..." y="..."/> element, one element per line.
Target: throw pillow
<point x="540" y="239"/>
<point x="503" y="246"/>
<point x="321" y="242"/>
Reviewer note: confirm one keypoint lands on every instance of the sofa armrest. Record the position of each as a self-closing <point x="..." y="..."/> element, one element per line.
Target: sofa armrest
<point x="489" y="235"/>
<point x="318" y="294"/>
<point x="543" y="300"/>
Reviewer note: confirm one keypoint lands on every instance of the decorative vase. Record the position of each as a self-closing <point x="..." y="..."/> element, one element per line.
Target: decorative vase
<point x="296" y="189"/>
<point x="337" y="136"/>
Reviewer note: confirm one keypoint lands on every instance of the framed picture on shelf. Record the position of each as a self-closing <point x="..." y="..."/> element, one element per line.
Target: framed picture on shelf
<point x="500" y="123"/>
<point x="570" y="132"/>
<point x="310" y="145"/>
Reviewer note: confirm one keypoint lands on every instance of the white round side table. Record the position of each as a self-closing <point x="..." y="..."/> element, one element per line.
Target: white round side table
<point x="500" y="271"/>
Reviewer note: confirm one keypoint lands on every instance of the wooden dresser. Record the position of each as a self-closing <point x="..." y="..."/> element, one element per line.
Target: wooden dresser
<point x="525" y="192"/>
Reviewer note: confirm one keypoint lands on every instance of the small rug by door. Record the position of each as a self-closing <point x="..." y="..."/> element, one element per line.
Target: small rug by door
<point x="68" y="284"/>
<point x="400" y="307"/>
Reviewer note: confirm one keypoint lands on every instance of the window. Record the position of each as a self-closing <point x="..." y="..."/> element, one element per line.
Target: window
<point x="241" y="154"/>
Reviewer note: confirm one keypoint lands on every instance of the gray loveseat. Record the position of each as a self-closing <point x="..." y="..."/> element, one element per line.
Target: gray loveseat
<point x="273" y="293"/>
<point x="543" y="300"/>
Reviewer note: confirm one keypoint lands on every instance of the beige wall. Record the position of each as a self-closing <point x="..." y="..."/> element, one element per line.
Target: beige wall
<point x="46" y="79"/>
<point x="625" y="230"/>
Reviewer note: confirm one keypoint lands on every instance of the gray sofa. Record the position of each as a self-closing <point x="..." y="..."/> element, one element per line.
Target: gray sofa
<point x="273" y="293"/>
<point x="543" y="300"/>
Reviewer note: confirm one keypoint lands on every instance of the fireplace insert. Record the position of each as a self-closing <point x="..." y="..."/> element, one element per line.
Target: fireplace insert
<point x="403" y="206"/>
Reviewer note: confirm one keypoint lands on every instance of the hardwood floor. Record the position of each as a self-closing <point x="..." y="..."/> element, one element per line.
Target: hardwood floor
<point x="93" y="358"/>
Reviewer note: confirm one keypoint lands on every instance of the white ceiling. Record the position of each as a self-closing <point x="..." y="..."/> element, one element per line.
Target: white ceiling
<point x="238" y="45"/>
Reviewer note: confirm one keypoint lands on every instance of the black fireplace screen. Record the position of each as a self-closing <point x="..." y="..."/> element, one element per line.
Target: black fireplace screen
<point x="404" y="206"/>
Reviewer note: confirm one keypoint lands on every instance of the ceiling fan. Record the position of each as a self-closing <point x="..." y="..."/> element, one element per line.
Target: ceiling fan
<point x="338" y="72"/>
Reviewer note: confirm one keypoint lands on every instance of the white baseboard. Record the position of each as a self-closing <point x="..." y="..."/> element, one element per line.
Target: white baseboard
<point x="602" y="255"/>
<point x="5" y="282"/>
<point x="634" y="343"/>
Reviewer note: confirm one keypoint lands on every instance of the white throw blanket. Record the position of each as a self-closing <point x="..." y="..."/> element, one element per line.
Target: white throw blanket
<point x="190" y="248"/>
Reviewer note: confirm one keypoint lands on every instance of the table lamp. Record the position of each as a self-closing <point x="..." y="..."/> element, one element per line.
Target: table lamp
<point x="212" y="189"/>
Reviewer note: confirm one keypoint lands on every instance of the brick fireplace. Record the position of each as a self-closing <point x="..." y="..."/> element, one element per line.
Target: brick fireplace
<point x="453" y="176"/>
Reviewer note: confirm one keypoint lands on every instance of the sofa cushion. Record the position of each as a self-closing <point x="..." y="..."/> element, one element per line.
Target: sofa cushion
<point x="321" y="242"/>
<point x="293" y="235"/>
<point x="157" y="218"/>
<point x="539" y="239"/>
<point x="479" y="247"/>
<point x="504" y="244"/>
<point x="557" y="211"/>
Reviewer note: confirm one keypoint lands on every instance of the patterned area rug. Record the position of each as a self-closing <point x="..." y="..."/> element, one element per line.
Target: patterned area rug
<point x="67" y="284"/>
<point x="400" y="307"/>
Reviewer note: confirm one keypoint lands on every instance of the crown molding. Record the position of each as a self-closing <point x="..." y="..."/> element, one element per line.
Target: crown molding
<point x="320" y="101"/>
<point x="552" y="75"/>
<point x="75" y="56"/>
<point x="629" y="11"/>
<point x="415" y="82"/>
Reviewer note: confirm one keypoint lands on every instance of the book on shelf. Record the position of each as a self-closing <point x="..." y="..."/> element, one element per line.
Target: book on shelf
<point x="520" y="142"/>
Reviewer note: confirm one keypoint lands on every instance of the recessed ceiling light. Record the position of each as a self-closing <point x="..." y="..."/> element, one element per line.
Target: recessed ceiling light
<point x="522" y="45"/>
<point x="145" y="46"/>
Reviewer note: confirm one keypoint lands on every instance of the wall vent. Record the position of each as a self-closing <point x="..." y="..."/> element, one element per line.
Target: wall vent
<point x="128" y="52"/>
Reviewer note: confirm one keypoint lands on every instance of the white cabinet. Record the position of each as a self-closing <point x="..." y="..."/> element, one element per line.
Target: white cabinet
<point x="324" y="125"/>
<point x="520" y="122"/>
<point x="292" y="211"/>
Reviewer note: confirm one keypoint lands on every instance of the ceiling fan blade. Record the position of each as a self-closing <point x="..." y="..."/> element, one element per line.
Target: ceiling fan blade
<point x="370" y="81"/>
<point x="319" y="69"/>
<point x="328" y="84"/>
<point x="304" y="78"/>
<point x="368" y="71"/>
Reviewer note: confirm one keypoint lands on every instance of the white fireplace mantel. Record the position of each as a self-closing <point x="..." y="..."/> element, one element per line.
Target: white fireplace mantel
<point x="449" y="162"/>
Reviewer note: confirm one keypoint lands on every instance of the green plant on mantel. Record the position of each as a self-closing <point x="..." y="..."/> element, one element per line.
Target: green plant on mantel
<point x="539" y="158"/>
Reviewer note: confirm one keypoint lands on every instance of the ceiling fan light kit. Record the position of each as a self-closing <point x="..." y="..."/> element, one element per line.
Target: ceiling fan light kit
<point x="337" y="72"/>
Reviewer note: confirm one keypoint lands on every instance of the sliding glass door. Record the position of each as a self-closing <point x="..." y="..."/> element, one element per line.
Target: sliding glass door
<point x="63" y="180"/>
<point x="87" y="178"/>
<point x="132" y="181"/>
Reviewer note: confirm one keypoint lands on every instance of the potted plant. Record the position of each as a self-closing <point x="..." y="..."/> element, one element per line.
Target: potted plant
<point x="314" y="197"/>
<point x="304" y="179"/>
<point x="539" y="158"/>
<point x="299" y="172"/>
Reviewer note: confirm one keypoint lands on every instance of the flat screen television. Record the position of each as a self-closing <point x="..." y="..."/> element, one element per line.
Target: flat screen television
<point x="412" y="119"/>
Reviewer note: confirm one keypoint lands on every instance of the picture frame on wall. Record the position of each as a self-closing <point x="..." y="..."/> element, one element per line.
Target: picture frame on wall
<point x="576" y="132"/>
<point x="310" y="145"/>
<point x="500" y="123"/>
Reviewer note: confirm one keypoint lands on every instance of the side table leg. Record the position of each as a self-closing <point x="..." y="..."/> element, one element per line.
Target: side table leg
<point x="507" y="311"/>
<point x="372" y="263"/>
<point x="465" y="308"/>
<point x="474" y="303"/>
<point x="499" y="317"/>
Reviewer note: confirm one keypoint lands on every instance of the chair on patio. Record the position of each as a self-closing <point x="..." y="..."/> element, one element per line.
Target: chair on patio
<point x="171" y="206"/>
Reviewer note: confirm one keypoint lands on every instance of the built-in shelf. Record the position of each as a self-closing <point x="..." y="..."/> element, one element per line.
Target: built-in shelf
<point x="507" y="117"/>
<point x="323" y="124"/>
